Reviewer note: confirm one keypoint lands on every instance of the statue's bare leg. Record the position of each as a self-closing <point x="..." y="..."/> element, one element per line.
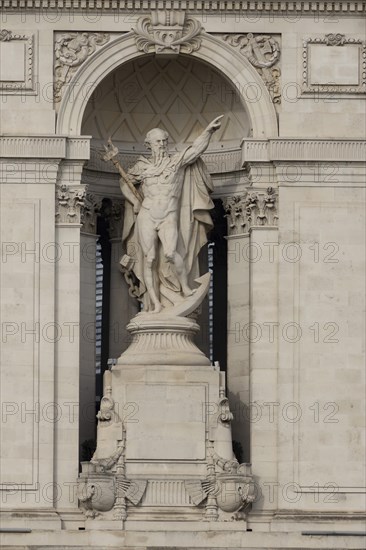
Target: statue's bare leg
<point x="148" y="239"/>
<point x="168" y="234"/>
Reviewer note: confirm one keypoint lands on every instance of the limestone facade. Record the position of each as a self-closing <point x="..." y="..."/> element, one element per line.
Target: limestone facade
<point x="288" y="166"/>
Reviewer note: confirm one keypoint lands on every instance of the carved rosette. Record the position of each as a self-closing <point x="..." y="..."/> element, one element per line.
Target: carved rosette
<point x="263" y="52"/>
<point x="70" y="200"/>
<point x="167" y="33"/>
<point x="71" y="50"/>
<point x="251" y="209"/>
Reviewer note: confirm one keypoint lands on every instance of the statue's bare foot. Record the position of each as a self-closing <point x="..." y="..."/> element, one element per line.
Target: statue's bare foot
<point x="186" y="291"/>
<point x="157" y="307"/>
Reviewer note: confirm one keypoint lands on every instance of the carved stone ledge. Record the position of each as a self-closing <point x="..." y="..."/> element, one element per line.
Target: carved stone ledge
<point x="69" y="202"/>
<point x="33" y="147"/>
<point x="263" y="53"/>
<point x="71" y="50"/>
<point x="336" y="150"/>
<point x="46" y="147"/>
<point x="78" y="148"/>
<point x="254" y="208"/>
<point x="167" y="32"/>
<point x="11" y="84"/>
<point x="287" y="7"/>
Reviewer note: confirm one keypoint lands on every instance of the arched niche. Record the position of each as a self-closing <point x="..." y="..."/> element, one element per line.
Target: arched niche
<point x="232" y="65"/>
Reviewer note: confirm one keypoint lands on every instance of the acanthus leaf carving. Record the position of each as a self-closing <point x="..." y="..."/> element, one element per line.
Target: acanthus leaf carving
<point x="90" y="211"/>
<point x="167" y="32"/>
<point x="263" y="52"/>
<point x="5" y="35"/>
<point x="71" y="50"/>
<point x="251" y="209"/>
<point x="70" y="200"/>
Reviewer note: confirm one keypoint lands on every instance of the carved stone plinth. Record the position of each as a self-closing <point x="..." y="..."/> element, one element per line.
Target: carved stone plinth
<point x="164" y="448"/>
<point x="167" y="341"/>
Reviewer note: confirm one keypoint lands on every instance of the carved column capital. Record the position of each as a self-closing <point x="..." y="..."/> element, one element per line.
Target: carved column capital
<point x="90" y="211"/>
<point x="113" y="213"/>
<point x="69" y="203"/>
<point x="254" y="208"/>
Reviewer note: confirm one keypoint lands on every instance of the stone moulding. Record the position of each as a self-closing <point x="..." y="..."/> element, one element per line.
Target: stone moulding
<point x="289" y="7"/>
<point x="26" y="85"/>
<point x="339" y="40"/>
<point x="153" y="342"/>
<point x="46" y="147"/>
<point x="336" y="150"/>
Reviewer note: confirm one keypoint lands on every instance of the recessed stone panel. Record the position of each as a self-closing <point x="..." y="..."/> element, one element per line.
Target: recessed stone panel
<point x="9" y="70"/>
<point x="169" y="423"/>
<point x="19" y="314"/>
<point x="334" y="64"/>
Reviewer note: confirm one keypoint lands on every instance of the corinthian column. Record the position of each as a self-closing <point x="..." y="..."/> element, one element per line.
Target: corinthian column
<point x="238" y="319"/>
<point x="252" y="310"/>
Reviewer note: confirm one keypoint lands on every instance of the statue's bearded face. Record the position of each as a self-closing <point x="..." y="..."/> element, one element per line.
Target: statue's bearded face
<point x="157" y="141"/>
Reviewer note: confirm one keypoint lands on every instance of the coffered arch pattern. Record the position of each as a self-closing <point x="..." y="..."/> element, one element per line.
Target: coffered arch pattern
<point x="220" y="56"/>
<point x="181" y="95"/>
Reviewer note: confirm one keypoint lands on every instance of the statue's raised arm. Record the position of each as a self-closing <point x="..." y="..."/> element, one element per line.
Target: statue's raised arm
<point x="200" y="144"/>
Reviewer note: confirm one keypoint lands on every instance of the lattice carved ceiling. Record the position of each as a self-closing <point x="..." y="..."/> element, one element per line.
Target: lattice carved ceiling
<point x="181" y="96"/>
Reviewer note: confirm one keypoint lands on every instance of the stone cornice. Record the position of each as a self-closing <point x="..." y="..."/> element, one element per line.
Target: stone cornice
<point x="292" y="149"/>
<point x="45" y="147"/>
<point x="306" y="7"/>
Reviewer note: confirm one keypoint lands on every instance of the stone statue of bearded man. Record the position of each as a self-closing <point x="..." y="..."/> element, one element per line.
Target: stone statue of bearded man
<point x="166" y="218"/>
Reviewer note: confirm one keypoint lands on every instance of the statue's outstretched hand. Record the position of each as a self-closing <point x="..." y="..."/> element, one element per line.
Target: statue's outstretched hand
<point x="215" y="124"/>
